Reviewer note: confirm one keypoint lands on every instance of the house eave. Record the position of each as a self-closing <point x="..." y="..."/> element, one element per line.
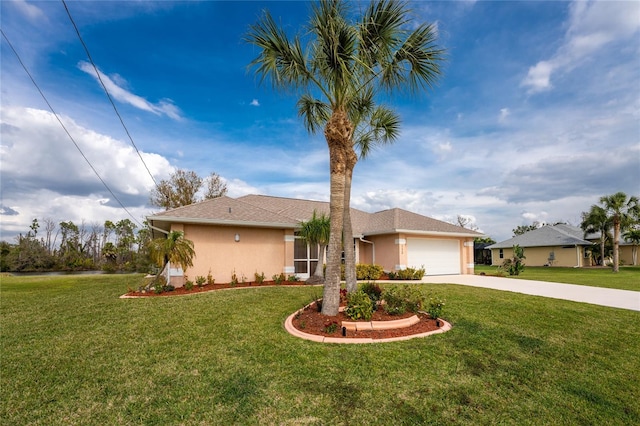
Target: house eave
<point x="425" y="233"/>
<point x="243" y="223"/>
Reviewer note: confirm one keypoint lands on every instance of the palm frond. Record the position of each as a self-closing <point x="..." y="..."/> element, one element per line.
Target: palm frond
<point x="280" y="60"/>
<point x="314" y="112"/>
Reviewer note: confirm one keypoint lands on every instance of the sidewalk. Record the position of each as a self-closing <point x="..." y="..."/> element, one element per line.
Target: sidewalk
<point x="623" y="299"/>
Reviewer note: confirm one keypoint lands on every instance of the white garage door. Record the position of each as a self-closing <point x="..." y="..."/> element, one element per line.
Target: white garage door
<point x="439" y="257"/>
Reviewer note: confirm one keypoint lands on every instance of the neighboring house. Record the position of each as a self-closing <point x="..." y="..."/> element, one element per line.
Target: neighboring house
<point x="625" y="250"/>
<point x="257" y="234"/>
<point x="549" y="245"/>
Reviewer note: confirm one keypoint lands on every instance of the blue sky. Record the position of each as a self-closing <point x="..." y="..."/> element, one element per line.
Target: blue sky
<point x="536" y="115"/>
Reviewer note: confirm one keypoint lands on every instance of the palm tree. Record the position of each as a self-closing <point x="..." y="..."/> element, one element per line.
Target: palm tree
<point x="341" y="72"/>
<point x="596" y="221"/>
<point x="621" y="210"/>
<point x="173" y="249"/>
<point x="316" y="232"/>
<point x="633" y="236"/>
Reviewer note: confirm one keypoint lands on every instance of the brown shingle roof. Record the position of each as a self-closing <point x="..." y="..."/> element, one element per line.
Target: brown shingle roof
<point x="266" y="211"/>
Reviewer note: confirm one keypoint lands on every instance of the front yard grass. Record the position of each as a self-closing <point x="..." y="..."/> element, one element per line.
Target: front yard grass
<point x="73" y="353"/>
<point x="627" y="279"/>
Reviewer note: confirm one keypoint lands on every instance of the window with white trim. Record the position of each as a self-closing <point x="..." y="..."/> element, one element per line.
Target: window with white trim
<point x="305" y="256"/>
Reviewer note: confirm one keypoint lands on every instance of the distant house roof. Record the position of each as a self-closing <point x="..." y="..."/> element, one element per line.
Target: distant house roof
<point x="546" y="236"/>
<point x="287" y="213"/>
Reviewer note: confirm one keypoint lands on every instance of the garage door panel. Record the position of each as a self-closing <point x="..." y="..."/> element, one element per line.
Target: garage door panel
<point x="439" y="257"/>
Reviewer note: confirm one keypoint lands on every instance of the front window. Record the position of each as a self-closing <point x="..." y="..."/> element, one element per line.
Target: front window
<point x="501" y="254"/>
<point x="305" y="257"/>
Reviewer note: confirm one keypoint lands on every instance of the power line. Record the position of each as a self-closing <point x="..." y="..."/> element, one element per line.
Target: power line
<point x="65" y="129"/>
<point x="86" y="49"/>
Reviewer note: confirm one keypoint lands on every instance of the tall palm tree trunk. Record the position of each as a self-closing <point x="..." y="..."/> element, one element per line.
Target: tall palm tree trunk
<point x="349" y="250"/>
<point x="616" y="244"/>
<point x="337" y="132"/>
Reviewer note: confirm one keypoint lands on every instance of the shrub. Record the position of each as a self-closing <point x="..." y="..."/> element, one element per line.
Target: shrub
<point x="435" y="307"/>
<point x="407" y="274"/>
<point x="200" y="280"/>
<point x="159" y="284"/>
<point x="188" y="285"/>
<point x="259" y="277"/>
<point x="372" y="290"/>
<point x="293" y="278"/>
<point x="234" y="278"/>
<point x="368" y="272"/>
<point x="399" y="299"/>
<point x="210" y="279"/>
<point x="359" y="306"/>
<point x="278" y="278"/>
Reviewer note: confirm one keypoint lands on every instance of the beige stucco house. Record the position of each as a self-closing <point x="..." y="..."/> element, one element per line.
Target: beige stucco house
<point x="549" y="245"/>
<point x="257" y="234"/>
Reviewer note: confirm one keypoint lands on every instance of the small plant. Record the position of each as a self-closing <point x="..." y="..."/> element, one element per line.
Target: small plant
<point x="278" y="278"/>
<point x="359" y="306"/>
<point x="234" y="278"/>
<point x="343" y="295"/>
<point x="200" y="280"/>
<point x="514" y="265"/>
<point x="372" y="290"/>
<point x="330" y="327"/>
<point x="243" y="280"/>
<point x="169" y="287"/>
<point x="435" y="307"/>
<point x="188" y="285"/>
<point x="259" y="277"/>
<point x="210" y="279"/>
<point x="293" y="278"/>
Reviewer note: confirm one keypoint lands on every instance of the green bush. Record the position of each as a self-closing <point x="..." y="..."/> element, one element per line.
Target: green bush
<point x="188" y="285"/>
<point x="400" y="299"/>
<point x="407" y="274"/>
<point x="259" y="277"/>
<point x="372" y="290"/>
<point x="368" y="272"/>
<point x="359" y="306"/>
<point x="278" y="278"/>
<point x="435" y="307"/>
<point x="200" y="280"/>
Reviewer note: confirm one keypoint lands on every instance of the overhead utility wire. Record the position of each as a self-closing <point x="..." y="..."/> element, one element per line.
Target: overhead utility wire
<point x="65" y="129"/>
<point x="86" y="49"/>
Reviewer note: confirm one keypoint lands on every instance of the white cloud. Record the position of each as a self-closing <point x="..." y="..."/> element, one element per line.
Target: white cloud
<point x="163" y="107"/>
<point x="592" y="25"/>
<point x="504" y="113"/>
<point x="43" y="174"/>
<point x="255" y="103"/>
<point x="29" y="10"/>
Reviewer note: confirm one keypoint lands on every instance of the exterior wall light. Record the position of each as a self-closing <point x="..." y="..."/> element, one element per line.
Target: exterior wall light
<point x="237" y="238"/>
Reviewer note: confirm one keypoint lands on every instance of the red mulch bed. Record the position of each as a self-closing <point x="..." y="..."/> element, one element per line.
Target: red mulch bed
<point x="181" y="291"/>
<point x="311" y="321"/>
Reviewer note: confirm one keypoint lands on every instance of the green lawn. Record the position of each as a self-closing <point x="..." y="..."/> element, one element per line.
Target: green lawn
<point x="73" y="353"/>
<point x="627" y="279"/>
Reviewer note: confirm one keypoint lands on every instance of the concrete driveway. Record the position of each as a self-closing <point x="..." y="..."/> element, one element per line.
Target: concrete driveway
<point x="623" y="299"/>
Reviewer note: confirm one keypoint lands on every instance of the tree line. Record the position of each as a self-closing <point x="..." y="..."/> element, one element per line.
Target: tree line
<point x="112" y="246"/>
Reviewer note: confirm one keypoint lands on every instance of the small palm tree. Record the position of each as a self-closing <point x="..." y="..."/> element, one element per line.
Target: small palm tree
<point x="316" y="232"/>
<point x="633" y="236"/>
<point x="622" y="211"/>
<point x="174" y="249"/>
<point x="345" y="66"/>
<point x="597" y="221"/>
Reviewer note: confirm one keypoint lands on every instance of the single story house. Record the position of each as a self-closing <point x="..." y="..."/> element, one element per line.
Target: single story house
<point x="549" y="245"/>
<point x="258" y="234"/>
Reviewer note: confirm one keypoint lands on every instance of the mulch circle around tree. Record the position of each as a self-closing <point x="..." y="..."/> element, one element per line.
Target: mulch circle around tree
<point x="310" y="321"/>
